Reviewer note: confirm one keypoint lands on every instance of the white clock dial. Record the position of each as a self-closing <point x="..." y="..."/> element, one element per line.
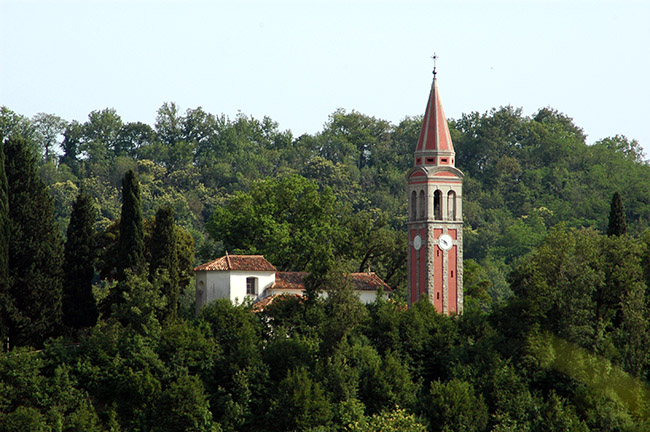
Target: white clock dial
<point x="445" y="242"/>
<point x="417" y="242"/>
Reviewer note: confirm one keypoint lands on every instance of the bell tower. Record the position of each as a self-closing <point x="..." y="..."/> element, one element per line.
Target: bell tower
<point x="435" y="222"/>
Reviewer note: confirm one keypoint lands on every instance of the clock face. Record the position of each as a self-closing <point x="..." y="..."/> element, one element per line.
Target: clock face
<point x="445" y="242"/>
<point x="417" y="242"/>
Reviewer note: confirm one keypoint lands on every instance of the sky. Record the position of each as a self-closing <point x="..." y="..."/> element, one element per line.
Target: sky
<point x="297" y="61"/>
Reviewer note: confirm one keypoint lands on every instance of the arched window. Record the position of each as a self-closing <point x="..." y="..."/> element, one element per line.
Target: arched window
<point x="437" y="205"/>
<point x="251" y="285"/>
<point x="451" y="205"/>
<point x="422" y="204"/>
<point x="414" y="206"/>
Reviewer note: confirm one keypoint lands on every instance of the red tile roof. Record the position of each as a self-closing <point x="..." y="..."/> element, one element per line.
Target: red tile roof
<point x="367" y="282"/>
<point x="434" y="135"/>
<point x="289" y="281"/>
<point x="359" y="281"/>
<point x="237" y="262"/>
<point x="260" y="305"/>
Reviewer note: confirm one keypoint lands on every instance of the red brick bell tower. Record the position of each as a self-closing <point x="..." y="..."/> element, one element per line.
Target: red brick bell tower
<point x="435" y="222"/>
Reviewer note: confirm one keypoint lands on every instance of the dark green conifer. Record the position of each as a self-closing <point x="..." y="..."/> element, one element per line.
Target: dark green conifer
<point x="617" y="223"/>
<point x="79" y="306"/>
<point x="164" y="258"/>
<point x="35" y="252"/>
<point x="4" y="248"/>
<point x="131" y="245"/>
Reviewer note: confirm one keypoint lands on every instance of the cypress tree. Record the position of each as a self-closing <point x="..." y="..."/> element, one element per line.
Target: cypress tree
<point x="131" y="244"/>
<point x="4" y="249"/>
<point x="35" y="251"/>
<point x="79" y="306"/>
<point x="617" y="223"/>
<point x="164" y="258"/>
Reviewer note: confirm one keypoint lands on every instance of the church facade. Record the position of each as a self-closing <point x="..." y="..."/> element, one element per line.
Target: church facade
<point x="435" y="223"/>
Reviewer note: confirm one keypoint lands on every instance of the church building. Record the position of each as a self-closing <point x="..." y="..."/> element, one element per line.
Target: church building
<point x="435" y="233"/>
<point x="435" y="223"/>
<point x="241" y="278"/>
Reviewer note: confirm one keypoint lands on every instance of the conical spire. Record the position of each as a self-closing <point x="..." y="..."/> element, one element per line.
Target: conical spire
<point x="434" y="145"/>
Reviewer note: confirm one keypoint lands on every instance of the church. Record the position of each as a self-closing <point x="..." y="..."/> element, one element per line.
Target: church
<point x="435" y="234"/>
<point x="253" y="278"/>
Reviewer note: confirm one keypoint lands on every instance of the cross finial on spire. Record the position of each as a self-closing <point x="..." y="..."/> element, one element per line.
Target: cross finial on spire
<point x="434" y="57"/>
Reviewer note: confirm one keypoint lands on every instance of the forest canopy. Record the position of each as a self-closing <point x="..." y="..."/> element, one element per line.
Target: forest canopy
<point x="557" y="280"/>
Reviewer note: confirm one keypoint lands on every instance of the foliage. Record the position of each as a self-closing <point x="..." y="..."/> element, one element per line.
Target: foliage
<point x="164" y="259"/>
<point x="287" y="220"/>
<point x="78" y="304"/>
<point x="554" y="335"/>
<point x="131" y="244"/>
<point x="33" y="292"/>
<point x="617" y="223"/>
<point x="454" y="406"/>
<point x="4" y="244"/>
<point x="398" y="420"/>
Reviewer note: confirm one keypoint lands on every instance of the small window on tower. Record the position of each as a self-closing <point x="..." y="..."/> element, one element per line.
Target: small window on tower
<point x="418" y="161"/>
<point x="429" y="160"/>
<point x="437" y="296"/>
<point x="443" y="160"/>
<point x="452" y="273"/>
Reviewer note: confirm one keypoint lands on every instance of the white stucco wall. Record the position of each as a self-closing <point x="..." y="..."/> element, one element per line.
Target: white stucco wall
<point x="366" y="296"/>
<point x="238" y="284"/>
<point x="212" y="285"/>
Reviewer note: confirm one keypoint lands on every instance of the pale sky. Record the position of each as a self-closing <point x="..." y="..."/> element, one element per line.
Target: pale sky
<point x="297" y="61"/>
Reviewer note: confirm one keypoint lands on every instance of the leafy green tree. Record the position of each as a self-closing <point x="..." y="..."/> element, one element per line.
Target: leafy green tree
<point x="132" y="137"/>
<point x="139" y="305"/>
<point x="14" y="125"/>
<point x="33" y="309"/>
<point x="630" y="149"/>
<point x="23" y="419"/>
<point x="300" y="404"/>
<point x="617" y="222"/>
<point x="352" y="137"/>
<point x="239" y="374"/>
<point x="184" y="407"/>
<point x="375" y="246"/>
<point x="48" y="127"/>
<point x="72" y="138"/>
<point x="397" y="420"/>
<point x="101" y="135"/>
<point x="79" y="305"/>
<point x="566" y="258"/>
<point x="455" y="406"/>
<point x="288" y="220"/>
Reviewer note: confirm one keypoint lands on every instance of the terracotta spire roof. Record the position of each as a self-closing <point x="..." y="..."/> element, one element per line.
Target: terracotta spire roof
<point x="237" y="262"/>
<point x="435" y="141"/>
